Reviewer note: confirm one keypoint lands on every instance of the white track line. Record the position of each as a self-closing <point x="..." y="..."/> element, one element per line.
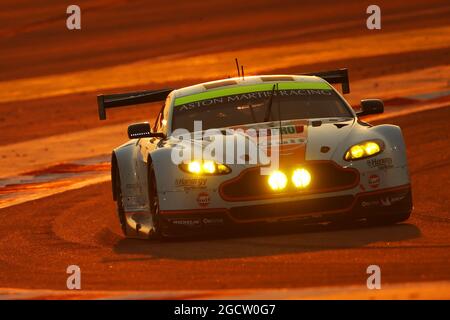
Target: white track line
<point x="43" y="194"/>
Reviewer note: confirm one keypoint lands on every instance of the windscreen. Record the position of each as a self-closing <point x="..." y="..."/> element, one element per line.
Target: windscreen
<point x="235" y="106"/>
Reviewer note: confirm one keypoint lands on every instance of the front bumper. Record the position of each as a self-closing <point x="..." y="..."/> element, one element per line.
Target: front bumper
<point x="343" y="207"/>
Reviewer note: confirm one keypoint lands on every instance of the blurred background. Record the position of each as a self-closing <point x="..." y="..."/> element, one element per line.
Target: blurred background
<point x="55" y="202"/>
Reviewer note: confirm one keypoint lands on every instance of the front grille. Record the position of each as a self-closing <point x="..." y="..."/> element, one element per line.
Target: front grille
<point x="327" y="176"/>
<point x="293" y="208"/>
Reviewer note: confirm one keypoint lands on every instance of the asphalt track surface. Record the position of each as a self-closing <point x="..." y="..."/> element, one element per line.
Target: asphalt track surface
<point x="39" y="239"/>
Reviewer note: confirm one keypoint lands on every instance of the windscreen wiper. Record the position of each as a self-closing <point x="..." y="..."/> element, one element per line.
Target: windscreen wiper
<point x="279" y="119"/>
<point x="269" y="107"/>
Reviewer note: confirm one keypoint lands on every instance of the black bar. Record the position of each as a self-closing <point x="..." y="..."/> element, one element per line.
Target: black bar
<point x="129" y="98"/>
<point x="224" y="309"/>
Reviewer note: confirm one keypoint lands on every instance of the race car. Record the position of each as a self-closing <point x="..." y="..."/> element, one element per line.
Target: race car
<point x="291" y="149"/>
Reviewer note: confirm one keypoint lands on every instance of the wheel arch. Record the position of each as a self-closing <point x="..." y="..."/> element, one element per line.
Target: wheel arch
<point x="393" y="136"/>
<point x="123" y="171"/>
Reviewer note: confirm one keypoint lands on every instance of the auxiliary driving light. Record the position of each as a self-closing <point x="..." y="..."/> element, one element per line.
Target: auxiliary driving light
<point x="301" y="178"/>
<point x="194" y="167"/>
<point x="277" y="180"/>
<point x="207" y="167"/>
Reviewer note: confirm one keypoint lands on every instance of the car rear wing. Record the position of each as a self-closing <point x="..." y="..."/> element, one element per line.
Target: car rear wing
<point x="334" y="76"/>
<point x="106" y="101"/>
<point x="132" y="98"/>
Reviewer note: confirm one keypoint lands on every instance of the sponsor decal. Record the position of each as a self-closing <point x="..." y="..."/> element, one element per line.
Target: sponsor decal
<point x="390" y="200"/>
<point x="383" y="201"/>
<point x="372" y="203"/>
<point x="186" y="222"/>
<point x="285" y="130"/>
<point x="191" y="183"/>
<point x="196" y="222"/>
<point x="203" y="199"/>
<point x="250" y="93"/>
<point x="212" y="221"/>
<point x="324" y="149"/>
<point x="288" y="130"/>
<point x="136" y="202"/>
<point x="384" y="163"/>
<point x="294" y="141"/>
<point x="374" y="181"/>
<point x="299" y="128"/>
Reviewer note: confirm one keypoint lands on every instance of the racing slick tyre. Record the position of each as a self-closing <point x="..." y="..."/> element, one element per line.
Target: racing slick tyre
<point x="389" y="219"/>
<point x="156" y="233"/>
<point x="120" y="209"/>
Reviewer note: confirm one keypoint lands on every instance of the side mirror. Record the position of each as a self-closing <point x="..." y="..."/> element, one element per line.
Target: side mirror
<point x="371" y="106"/>
<point x="143" y="130"/>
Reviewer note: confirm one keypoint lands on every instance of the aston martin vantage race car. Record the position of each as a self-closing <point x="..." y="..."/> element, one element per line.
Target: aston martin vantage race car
<point x="285" y="148"/>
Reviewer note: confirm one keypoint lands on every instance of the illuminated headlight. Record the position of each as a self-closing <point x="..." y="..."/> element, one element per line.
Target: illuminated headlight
<point x="277" y="180"/>
<point x="363" y="150"/>
<point x="301" y="178"/>
<point x="206" y="167"/>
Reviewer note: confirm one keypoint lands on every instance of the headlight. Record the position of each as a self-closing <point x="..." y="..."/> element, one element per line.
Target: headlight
<point x="206" y="167"/>
<point x="277" y="180"/>
<point x="364" y="149"/>
<point x="301" y="178"/>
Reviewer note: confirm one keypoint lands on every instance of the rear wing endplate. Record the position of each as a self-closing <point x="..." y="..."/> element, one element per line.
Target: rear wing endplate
<point x="334" y="76"/>
<point x="127" y="99"/>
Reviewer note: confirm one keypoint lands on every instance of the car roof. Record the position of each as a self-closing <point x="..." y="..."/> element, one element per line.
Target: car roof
<point x="239" y="82"/>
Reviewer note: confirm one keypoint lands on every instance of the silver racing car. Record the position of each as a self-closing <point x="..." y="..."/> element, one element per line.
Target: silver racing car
<point x="292" y="150"/>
